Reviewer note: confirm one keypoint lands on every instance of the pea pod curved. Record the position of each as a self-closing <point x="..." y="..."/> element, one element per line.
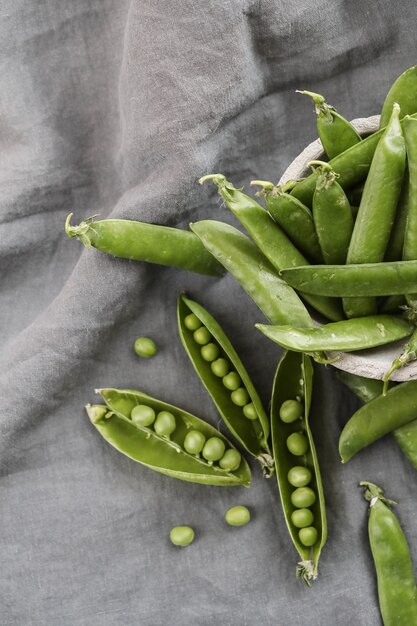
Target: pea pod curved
<point x="251" y="433"/>
<point x="403" y="91"/>
<point x="294" y="380"/>
<point x="397" y="590"/>
<point x="139" y="241"/>
<point x="144" y="445"/>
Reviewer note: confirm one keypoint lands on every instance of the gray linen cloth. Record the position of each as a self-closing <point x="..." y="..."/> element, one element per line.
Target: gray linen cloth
<point x="117" y="108"/>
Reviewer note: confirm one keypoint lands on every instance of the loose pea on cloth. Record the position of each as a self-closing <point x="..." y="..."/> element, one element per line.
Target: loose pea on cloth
<point x="117" y="108"/>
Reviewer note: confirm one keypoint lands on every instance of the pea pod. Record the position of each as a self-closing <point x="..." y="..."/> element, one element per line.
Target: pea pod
<point x="138" y="241"/>
<point x="359" y="333"/>
<point x="332" y="215"/>
<point x="269" y="237"/>
<point x="335" y="132"/>
<point x="369" y="388"/>
<point x="403" y="91"/>
<point x="293" y="217"/>
<point x="165" y="455"/>
<point x="253" y="431"/>
<point x="241" y="257"/>
<point x="293" y="381"/>
<point x="397" y="590"/>
<point x="395" y="245"/>
<point x="410" y="232"/>
<point x="378" y="418"/>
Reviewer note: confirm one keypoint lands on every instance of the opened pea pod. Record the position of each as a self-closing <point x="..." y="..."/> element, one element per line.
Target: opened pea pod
<point x="167" y="439"/>
<point x="224" y="376"/>
<point x="297" y="467"/>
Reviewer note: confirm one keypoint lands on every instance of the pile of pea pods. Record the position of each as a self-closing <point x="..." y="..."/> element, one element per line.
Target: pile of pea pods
<point x="338" y="247"/>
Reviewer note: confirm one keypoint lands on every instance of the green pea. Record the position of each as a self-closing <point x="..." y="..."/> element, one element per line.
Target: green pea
<point x="202" y="336"/>
<point x="214" y="449"/>
<point x="297" y="444"/>
<point x="165" y="424"/>
<point x="145" y="347"/>
<point x="210" y="351"/>
<point x="240" y="396"/>
<point x="232" y="381"/>
<point x="194" y="442"/>
<point x="182" y="535"/>
<point x="237" y="516"/>
<point x="299" y="476"/>
<point x="308" y="536"/>
<point x="192" y="322"/>
<point x="302" y="518"/>
<point x="142" y="415"/>
<point x="290" y="411"/>
<point x="230" y="460"/>
<point x="220" y="367"/>
<point x="249" y="411"/>
<point x="303" y="497"/>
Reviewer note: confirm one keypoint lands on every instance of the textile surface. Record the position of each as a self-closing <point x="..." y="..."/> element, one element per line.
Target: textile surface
<point x="117" y="108"/>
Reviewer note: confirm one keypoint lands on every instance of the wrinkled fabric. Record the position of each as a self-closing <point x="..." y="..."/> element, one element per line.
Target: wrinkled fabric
<point x="117" y="108"/>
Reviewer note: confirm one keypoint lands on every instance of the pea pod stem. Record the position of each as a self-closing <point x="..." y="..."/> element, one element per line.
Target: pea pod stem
<point x="408" y="355"/>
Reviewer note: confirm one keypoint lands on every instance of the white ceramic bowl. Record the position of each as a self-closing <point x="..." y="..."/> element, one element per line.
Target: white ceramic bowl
<point x="370" y="363"/>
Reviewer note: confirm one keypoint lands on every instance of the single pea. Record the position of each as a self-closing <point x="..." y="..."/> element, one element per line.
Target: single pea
<point x="194" y="442"/>
<point x="230" y="460"/>
<point x="297" y="444"/>
<point x="302" y="518"/>
<point x="290" y="411"/>
<point x="220" y="367"/>
<point x="232" y="381"/>
<point x="303" y="497"/>
<point x="142" y="415"/>
<point x="145" y="347"/>
<point x="192" y="322"/>
<point x="240" y="396"/>
<point x="299" y="476"/>
<point x="210" y="351"/>
<point x="308" y="536"/>
<point x="237" y="516"/>
<point x="165" y="424"/>
<point x="202" y="336"/>
<point x="182" y="535"/>
<point x="249" y="411"/>
<point x="214" y="449"/>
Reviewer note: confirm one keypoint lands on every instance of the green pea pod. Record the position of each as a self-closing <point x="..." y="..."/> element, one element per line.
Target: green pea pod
<point x="348" y="281"/>
<point x="352" y="166"/>
<point x="293" y="217"/>
<point x="410" y="233"/>
<point x="359" y="333"/>
<point x="294" y="380"/>
<point x="335" y="132"/>
<point x="403" y="91"/>
<point x="144" y="445"/>
<point x="251" y="433"/>
<point x="377" y="208"/>
<point x="369" y="388"/>
<point x="241" y="257"/>
<point x="138" y="241"/>
<point x="397" y="590"/>
<point x="269" y="237"/>
<point x="378" y="418"/>
<point x="395" y="245"/>
<point x="332" y="215"/>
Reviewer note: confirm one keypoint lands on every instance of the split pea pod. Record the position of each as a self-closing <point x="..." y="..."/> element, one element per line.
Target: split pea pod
<point x="332" y="215"/>
<point x="359" y="333"/>
<point x="403" y="91"/>
<point x="163" y="437"/>
<point x="397" y="589"/>
<point x="378" y="418"/>
<point x="297" y="467"/>
<point x="139" y="241"/>
<point x="335" y="132"/>
<point x="377" y="208"/>
<point x="269" y="237"/>
<point x="294" y="218"/>
<point x="367" y="389"/>
<point x="242" y="258"/>
<point x="224" y="376"/>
